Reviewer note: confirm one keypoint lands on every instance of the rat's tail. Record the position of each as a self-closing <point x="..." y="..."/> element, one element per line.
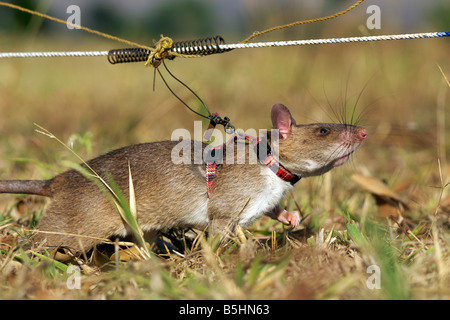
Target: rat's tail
<point x="37" y="187"/>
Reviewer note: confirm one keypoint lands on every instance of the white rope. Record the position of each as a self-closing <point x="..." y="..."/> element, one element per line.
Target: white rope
<point x="427" y="35"/>
<point x="335" y="40"/>
<point x="53" y="54"/>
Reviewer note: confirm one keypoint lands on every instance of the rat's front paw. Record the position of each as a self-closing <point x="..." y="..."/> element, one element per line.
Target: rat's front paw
<point x="290" y="218"/>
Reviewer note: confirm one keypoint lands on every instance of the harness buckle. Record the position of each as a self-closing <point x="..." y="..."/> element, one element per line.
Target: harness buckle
<point x="216" y="119"/>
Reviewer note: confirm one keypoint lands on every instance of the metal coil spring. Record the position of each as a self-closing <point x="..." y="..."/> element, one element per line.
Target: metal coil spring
<point x="127" y="55"/>
<point x="205" y="46"/>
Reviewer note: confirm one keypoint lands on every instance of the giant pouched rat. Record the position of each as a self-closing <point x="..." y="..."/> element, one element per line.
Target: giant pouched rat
<point x="172" y="195"/>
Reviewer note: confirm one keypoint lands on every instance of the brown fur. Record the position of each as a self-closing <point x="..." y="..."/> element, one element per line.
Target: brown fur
<point x="172" y="195"/>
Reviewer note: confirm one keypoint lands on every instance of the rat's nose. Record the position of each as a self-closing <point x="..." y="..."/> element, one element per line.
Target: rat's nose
<point x="362" y="133"/>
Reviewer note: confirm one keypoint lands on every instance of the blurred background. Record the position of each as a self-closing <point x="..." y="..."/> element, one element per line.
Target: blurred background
<point x="396" y="88"/>
<point x="147" y="19"/>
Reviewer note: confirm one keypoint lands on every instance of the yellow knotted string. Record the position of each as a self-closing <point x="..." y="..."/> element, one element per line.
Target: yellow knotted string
<point x="163" y="47"/>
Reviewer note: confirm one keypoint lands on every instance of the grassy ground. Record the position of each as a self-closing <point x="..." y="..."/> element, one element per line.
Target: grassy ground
<point x="351" y="232"/>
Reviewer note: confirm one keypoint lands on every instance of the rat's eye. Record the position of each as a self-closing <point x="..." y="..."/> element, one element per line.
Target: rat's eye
<point x="324" y="131"/>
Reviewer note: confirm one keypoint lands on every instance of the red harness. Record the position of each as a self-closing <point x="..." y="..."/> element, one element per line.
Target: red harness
<point x="269" y="160"/>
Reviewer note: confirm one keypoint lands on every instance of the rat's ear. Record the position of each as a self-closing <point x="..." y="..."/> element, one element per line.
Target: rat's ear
<point x="282" y="120"/>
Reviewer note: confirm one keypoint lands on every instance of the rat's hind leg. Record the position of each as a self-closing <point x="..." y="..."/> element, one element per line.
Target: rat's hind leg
<point x="54" y="231"/>
<point x="223" y="227"/>
<point x="76" y="228"/>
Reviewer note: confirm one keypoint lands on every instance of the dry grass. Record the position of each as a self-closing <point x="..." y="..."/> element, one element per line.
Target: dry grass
<point x="99" y="107"/>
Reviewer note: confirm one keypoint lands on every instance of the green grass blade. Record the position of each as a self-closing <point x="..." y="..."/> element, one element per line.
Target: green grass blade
<point x="59" y="265"/>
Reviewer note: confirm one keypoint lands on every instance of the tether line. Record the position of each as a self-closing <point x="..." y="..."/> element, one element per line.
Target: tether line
<point x="296" y="23"/>
<point x="426" y="35"/>
<point x="98" y="33"/>
<point x="163" y="46"/>
<point x="52" y="54"/>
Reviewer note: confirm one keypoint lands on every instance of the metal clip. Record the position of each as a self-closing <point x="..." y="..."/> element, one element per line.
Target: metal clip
<point x="228" y="127"/>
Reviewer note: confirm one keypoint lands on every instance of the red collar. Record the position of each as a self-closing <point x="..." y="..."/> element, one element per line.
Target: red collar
<point x="269" y="160"/>
<point x="284" y="174"/>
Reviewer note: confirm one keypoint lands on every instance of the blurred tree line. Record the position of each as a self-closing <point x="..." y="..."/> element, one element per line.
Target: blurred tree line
<point x="180" y="19"/>
<point x="177" y="18"/>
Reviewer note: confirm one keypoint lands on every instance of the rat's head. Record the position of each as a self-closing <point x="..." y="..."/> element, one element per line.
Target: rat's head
<point x="313" y="149"/>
